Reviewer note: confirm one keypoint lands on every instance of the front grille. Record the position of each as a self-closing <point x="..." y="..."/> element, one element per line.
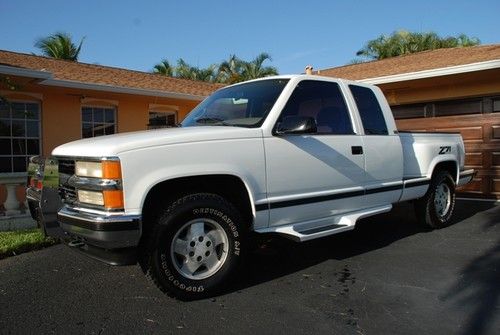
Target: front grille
<point x="68" y="194"/>
<point x="67" y="167"/>
<point x="66" y="170"/>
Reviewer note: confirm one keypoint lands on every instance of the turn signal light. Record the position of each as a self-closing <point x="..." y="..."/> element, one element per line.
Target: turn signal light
<point x="113" y="199"/>
<point x="111" y="170"/>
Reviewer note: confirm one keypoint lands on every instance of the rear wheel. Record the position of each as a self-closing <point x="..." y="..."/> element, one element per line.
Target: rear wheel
<point x="435" y="208"/>
<point x="195" y="246"/>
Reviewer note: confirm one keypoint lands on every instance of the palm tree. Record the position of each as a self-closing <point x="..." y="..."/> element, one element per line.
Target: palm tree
<point x="404" y="42"/>
<point x="230" y="71"/>
<point x="164" y="68"/>
<point x="184" y="70"/>
<point x="59" y="45"/>
<point x="206" y="74"/>
<point x="254" y="69"/>
<point x="462" y="40"/>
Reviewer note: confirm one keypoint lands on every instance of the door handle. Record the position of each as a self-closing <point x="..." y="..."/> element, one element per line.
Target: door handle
<point x="357" y="150"/>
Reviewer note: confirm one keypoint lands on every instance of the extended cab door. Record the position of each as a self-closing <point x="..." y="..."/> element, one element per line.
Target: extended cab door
<point x="317" y="175"/>
<point x="382" y="146"/>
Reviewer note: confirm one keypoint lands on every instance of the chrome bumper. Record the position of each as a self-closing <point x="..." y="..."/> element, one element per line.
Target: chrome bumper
<point x="466" y="177"/>
<point x="103" y="231"/>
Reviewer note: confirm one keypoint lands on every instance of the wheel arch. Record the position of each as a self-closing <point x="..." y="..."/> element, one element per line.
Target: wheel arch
<point x="234" y="189"/>
<point x="446" y="164"/>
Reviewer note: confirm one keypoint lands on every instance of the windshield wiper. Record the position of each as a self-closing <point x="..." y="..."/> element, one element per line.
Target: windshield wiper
<point x="212" y="120"/>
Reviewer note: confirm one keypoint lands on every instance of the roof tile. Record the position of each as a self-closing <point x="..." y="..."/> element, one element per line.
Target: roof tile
<point x="106" y="75"/>
<point x="426" y="60"/>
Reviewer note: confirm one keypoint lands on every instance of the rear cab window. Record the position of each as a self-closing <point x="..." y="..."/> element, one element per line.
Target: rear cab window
<point x="370" y="111"/>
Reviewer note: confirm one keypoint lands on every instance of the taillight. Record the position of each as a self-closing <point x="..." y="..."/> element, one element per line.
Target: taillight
<point x="34" y="183"/>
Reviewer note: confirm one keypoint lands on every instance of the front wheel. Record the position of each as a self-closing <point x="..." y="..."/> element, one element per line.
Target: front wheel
<point x="195" y="247"/>
<point x="435" y="208"/>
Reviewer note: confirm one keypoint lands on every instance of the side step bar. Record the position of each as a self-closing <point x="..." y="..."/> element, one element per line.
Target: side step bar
<point x="309" y="230"/>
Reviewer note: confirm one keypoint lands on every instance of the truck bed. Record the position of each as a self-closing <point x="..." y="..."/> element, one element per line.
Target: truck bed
<point x="422" y="151"/>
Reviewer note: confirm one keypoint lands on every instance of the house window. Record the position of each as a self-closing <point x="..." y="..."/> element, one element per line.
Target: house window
<point x="162" y="120"/>
<point x="19" y="135"/>
<point x="98" y="121"/>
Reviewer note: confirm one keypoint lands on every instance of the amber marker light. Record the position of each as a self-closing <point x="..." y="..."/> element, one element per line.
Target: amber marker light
<point x="111" y="170"/>
<point x="113" y="199"/>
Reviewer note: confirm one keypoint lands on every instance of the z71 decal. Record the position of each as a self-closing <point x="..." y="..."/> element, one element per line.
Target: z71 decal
<point x="444" y="150"/>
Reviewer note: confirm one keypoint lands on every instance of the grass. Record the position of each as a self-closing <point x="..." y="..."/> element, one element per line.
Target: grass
<point x="16" y="242"/>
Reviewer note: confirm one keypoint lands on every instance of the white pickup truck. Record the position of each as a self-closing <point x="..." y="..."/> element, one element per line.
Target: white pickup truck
<point x="302" y="156"/>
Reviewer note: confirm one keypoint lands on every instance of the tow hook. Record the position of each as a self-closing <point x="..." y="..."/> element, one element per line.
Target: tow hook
<point x="76" y="244"/>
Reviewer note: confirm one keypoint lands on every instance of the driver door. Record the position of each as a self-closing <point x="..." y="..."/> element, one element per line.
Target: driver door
<point x="319" y="175"/>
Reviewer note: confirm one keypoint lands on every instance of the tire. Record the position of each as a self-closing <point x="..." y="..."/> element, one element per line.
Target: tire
<point x="435" y="208"/>
<point x="195" y="246"/>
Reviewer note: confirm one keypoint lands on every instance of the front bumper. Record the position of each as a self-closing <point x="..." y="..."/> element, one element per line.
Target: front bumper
<point x="103" y="231"/>
<point x="112" y="239"/>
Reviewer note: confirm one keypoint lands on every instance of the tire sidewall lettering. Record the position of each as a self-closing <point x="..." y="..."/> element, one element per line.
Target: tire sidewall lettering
<point x="171" y="275"/>
<point x="218" y="214"/>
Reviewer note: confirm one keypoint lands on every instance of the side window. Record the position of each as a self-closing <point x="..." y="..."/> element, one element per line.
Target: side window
<point x="369" y="110"/>
<point x="324" y="102"/>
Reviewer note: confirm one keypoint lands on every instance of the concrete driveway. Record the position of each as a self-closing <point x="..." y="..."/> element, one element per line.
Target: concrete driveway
<point x="389" y="276"/>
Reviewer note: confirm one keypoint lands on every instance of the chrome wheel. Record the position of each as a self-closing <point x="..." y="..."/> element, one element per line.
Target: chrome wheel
<point x="199" y="248"/>
<point x="442" y="199"/>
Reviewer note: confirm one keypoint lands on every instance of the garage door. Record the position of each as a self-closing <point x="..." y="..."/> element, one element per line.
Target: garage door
<point x="478" y="120"/>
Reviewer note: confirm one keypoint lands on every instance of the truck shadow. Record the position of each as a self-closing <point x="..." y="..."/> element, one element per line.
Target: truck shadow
<point x="478" y="284"/>
<point x="277" y="256"/>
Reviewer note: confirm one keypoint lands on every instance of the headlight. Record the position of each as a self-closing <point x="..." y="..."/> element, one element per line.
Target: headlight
<point x="88" y="169"/>
<point x="108" y="199"/>
<point x="109" y="195"/>
<point x="104" y="169"/>
<point x="91" y="197"/>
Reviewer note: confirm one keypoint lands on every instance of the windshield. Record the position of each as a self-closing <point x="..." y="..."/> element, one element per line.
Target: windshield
<point x="244" y="105"/>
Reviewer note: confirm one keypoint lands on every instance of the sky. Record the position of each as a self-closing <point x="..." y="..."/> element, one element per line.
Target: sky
<point x="139" y="34"/>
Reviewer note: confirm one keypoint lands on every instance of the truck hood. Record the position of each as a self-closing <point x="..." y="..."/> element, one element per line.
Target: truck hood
<point x="113" y="145"/>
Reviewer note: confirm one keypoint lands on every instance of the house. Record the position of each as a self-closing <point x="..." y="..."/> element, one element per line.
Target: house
<point x="446" y="90"/>
<point x="57" y="101"/>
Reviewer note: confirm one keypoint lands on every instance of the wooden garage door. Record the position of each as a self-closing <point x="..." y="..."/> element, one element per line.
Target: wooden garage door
<point x="479" y="123"/>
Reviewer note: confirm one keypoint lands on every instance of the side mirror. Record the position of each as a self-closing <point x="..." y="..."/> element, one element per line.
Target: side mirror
<point x="297" y="125"/>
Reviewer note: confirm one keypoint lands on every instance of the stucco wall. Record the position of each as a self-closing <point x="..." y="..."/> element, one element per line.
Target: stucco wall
<point x="61" y="110"/>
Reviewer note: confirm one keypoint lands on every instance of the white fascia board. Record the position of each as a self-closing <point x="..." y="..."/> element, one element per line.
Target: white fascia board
<point x="121" y="89"/>
<point x="445" y="71"/>
<point x="21" y="72"/>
